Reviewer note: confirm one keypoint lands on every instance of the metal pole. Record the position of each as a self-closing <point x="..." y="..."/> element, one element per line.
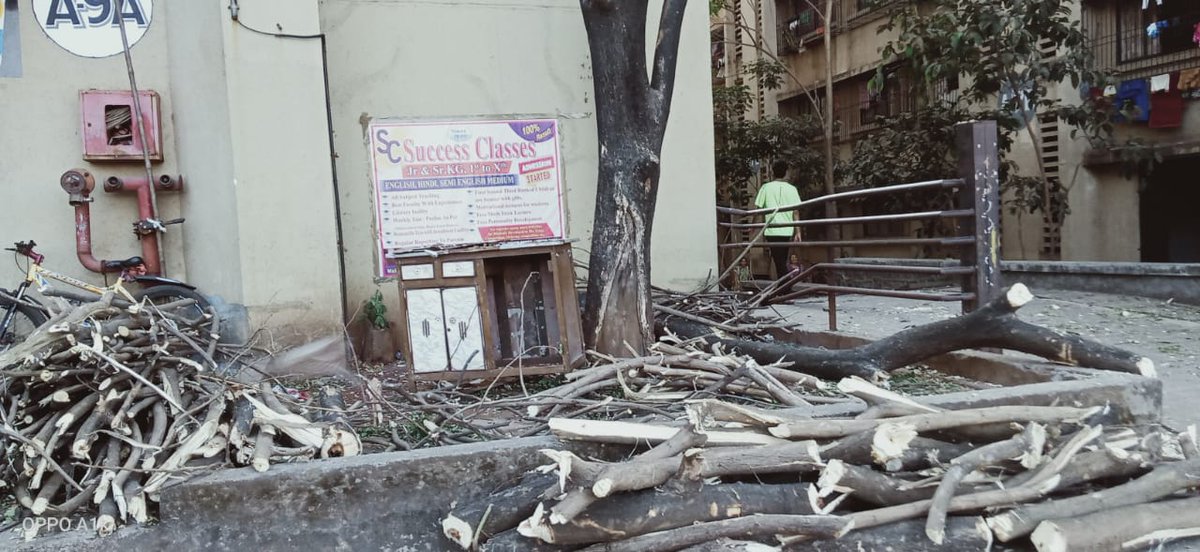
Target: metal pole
<point x="141" y="122"/>
<point x="979" y="167"/>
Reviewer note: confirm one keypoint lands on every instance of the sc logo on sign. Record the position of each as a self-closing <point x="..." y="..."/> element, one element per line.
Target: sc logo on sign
<point x="89" y="28"/>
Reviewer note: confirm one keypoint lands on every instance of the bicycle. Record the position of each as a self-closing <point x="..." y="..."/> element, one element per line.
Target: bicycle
<point x="23" y="314"/>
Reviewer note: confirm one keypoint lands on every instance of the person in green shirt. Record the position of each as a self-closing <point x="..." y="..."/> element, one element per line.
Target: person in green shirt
<point x="773" y="194"/>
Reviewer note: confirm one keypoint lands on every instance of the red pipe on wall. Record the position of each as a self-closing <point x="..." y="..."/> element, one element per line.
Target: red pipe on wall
<point x="83" y="239"/>
<point x="145" y="212"/>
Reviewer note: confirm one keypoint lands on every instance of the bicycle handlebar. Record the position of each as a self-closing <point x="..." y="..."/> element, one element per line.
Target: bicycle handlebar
<point x="26" y="249"/>
<point x="22" y="247"/>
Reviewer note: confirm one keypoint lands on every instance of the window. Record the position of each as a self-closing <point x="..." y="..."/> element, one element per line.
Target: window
<point x="805" y="22"/>
<point x="1156" y="30"/>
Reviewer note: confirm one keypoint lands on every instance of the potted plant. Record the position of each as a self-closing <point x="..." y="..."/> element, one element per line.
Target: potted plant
<point x="379" y="346"/>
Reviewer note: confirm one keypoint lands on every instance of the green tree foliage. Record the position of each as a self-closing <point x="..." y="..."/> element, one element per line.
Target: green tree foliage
<point x="1010" y="56"/>
<point x="746" y="148"/>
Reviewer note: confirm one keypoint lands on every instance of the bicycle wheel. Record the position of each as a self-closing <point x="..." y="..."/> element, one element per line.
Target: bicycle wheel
<point x="194" y="314"/>
<point x="24" y="321"/>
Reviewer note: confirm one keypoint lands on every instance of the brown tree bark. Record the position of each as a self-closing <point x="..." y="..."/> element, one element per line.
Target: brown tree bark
<point x="631" y="117"/>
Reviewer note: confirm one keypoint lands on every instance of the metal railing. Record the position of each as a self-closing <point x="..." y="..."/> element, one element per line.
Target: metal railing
<point x="1120" y="42"/>
<point x="800" y="22"/>
<point x="976" y="221"/>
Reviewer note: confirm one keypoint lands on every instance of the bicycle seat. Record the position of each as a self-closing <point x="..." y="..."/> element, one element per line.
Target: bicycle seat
<point x="123" y="263"/>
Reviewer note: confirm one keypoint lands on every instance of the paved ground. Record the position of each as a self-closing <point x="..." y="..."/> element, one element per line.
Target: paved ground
<point x="1166" y="332"/>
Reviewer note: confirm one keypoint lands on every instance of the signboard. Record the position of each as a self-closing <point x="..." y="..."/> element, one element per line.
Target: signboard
<point x="88" y="28"/>
<point x="464" y="182"/>
<point x="10" y="39"/>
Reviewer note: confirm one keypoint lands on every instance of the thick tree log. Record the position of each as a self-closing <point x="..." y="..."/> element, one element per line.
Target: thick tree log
<point x="504" y="509"/>
<point x="507" y="508"/>
<point x="749" y="527"/>
<point x="962" y="534"/>
<point x="995" y="325"/>
<point x="1117" y="528"/>
<point x="1163" y="481"/>
<point x="631" y="514"/>
<point x="579" y="498"/>
<point x="797" y="457"/>
<point x="832" y="429"/>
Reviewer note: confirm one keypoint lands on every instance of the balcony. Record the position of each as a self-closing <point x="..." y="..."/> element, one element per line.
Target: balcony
<point x="802" y="21"/>
<point x="1121" y="42"/>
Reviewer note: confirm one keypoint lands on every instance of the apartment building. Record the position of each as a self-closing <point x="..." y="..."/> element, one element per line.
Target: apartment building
<point x="1114" y="215"/>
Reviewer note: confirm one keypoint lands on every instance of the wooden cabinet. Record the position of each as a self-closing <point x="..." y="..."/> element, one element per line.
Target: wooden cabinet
<point x="490" y="312"/>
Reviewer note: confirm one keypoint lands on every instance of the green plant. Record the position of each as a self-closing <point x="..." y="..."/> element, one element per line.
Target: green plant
<point x="376" y="312"/>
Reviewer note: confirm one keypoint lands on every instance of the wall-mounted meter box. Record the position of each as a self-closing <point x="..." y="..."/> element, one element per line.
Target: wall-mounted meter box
<point x="111" y="131"/>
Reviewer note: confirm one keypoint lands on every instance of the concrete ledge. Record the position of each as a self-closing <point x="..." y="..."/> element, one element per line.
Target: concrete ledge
<point x="390" y="501"/>
<point x="1178" y="281"/>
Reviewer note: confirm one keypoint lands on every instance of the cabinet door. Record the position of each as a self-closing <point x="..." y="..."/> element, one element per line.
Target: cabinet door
<point x="427" y="330"/>
<point x="464" y="333"/>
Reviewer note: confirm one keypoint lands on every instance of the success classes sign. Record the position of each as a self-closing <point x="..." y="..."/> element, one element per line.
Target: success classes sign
<point x="451" y="183"/>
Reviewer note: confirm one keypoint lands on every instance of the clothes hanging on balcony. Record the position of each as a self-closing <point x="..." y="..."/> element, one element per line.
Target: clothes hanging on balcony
<point x="1133" y="99"/>
<point x="1154" y="29"/>
<point x="1189" y="79"/>
<point x="1160" y="83"/>
<point x="1166" y="106"/>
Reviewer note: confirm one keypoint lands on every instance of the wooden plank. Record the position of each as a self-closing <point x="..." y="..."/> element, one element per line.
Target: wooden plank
<point x="487" y="307"/>
<point x="569" y="308"/>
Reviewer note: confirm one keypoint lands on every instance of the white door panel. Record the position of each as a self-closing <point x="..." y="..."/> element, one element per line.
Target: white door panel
<point x="427" y="330"/>
<point x="464" y="333"/>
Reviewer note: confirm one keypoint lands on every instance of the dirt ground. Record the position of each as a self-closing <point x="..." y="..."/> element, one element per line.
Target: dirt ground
<point x="1166" y="332"/>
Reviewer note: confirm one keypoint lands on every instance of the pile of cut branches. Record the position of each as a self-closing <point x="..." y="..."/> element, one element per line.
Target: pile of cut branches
<point x="636" y="389"/>
<point x="709" y="350"/>
<point x="109" y="403"/>
<point x="733" y="477"/>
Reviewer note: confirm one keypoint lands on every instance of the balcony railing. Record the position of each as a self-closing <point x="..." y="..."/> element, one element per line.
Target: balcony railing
<point x="1123" y="45"/>
<point x="801" y="22"/>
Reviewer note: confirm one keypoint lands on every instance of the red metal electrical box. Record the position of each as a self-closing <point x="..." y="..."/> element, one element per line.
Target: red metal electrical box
<point x="110" y="130"/>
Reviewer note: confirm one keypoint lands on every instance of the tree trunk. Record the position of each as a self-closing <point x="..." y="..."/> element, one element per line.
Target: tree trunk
<point x="631" y="117"/>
